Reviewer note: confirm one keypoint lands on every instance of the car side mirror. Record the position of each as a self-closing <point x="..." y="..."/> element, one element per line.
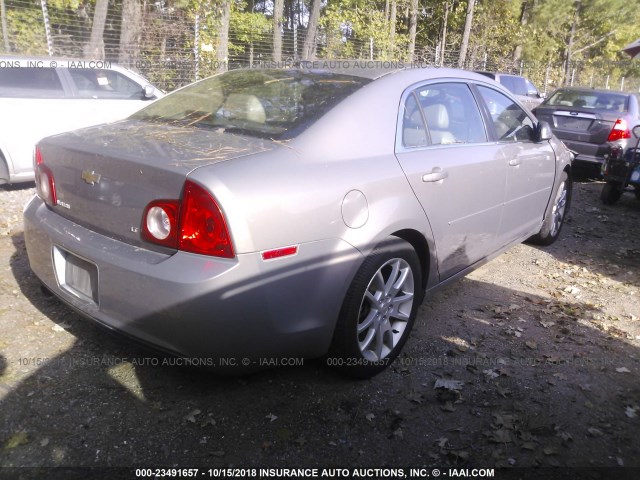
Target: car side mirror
<point x="636" y="131"/>
<point x="149" y="92"/>
<point x="543" y="132"/>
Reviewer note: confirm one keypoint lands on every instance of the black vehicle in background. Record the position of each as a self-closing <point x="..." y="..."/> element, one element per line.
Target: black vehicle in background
<point x="592" y="122"/>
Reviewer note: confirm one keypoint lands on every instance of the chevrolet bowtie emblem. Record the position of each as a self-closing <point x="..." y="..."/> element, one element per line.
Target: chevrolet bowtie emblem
<point x="90" y="177"/>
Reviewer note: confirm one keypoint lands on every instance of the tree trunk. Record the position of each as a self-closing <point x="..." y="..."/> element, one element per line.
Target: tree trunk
<point x="392" y="28"/>
<point x="468" y="23"/>
<point x="443" y="41"/>
<point x="130" y="33"/>
<point x="524" y="18"/>
<point x="309" y="49"/>
<point x="278" y="7"/>
<point x="222" y="52"/>
<point x="413" y="24"/>
<point x="95" y="48"/>
<point x="5" y="31"/>
<point x="571" y="41"/>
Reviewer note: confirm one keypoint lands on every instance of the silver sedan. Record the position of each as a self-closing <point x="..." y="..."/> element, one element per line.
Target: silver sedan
<point x="261" y="215"/>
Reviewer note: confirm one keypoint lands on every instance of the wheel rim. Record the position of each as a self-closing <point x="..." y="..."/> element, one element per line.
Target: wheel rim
<point x="385" y="309"/>
<point x="559" y="208"/>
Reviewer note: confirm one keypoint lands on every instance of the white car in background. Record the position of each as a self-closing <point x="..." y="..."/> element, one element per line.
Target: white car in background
<point x="40" y="97"/>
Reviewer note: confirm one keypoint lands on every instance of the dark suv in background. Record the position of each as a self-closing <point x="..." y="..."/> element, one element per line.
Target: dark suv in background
<point x="590" y="122"/>
<point x="521" y="87"/>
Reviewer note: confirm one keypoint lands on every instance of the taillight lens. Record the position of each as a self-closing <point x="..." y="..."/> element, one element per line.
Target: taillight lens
<point x="202" y="225"/>
<point x="195" y="224"/>
<point x="619" y="131"/>
<point x="160" y="223"/>
<point x="45" y="182"/>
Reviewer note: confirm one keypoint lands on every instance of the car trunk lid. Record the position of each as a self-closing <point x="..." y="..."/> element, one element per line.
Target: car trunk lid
<point x="579" y="125"/>
<point x="105" y="176"/>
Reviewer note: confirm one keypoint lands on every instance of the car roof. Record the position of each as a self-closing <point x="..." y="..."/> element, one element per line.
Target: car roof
<point x="375" y="70"/>
<point x="591" y="90"/>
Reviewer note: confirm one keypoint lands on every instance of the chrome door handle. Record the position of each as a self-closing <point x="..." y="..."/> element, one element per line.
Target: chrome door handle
<point x="436" y="175"/>
<point x="514" y="162"/>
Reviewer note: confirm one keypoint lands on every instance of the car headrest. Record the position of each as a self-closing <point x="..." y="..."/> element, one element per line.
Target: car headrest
<point x="244" y="107"/>
<point x="437" y="116"/>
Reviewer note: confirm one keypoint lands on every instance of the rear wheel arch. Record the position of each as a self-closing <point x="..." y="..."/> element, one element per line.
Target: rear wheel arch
<point x="4" y="169"/>
<point x="421" y="246"/>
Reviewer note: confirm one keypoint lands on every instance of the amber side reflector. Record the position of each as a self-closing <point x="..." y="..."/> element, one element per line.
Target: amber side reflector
<point x="279" y="252"/>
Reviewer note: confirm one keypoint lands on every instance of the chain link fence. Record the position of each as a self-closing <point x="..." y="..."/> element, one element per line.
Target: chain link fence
<point x="173" y="47"/>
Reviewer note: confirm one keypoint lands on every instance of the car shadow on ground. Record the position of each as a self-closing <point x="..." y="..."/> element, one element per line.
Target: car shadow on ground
<point x="527" y="382"/>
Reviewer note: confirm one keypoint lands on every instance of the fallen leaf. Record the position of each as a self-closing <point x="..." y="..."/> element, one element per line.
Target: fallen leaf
<point x="44" y="442"/>
<point x="442" y="442"/>
<point x="529" y="446"/>
<point x="594" y="432"/>
<point x="370" y="416"/>
<point x="631" y="412"/>
<point x="550" y="451"/>
<point x="547" y="324"/>
<point x="17" y="439"/>
<point x="623" y="370"/>
<point x="271" y="417"/>
<point x="531" y="344"/>
<point x="448" y="384"/>
<point x="191" y="417"/>
<point x="491" y="373"/>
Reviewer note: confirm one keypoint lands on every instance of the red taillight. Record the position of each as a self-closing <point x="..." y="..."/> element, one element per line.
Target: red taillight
<point x="202" y="226"/>
<point x="619" y="131"/>
<point x="160" y="224"/>
<point x="45" y="182"/>
<point x="195" y="224"/>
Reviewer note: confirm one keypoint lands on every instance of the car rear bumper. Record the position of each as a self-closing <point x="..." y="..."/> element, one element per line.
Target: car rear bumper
<point x="193" y="305"/>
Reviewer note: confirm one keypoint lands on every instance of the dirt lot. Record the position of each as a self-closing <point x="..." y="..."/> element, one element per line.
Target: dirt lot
<point x="537" y="354"/>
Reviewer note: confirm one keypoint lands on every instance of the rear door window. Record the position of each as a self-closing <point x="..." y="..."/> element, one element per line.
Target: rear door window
<point x="30" y="82"/>
<point x="98" y="83"/>
<point x="451" y="114"/>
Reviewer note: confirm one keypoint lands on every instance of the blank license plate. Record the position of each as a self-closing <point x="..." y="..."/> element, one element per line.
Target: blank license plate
<point x="76" y="275"/>
<point x="573" y="123"/>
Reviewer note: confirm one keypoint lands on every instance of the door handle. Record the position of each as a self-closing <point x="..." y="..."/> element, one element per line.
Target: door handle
<point x="514" y="162"/>
<point x="436" y="175"/>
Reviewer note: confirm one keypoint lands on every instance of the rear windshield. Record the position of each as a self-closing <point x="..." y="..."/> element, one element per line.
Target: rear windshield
<point x="613" y="102"/>
<point x="276" y="104"/>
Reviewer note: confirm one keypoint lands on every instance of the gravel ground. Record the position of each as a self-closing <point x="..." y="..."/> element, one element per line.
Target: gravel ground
<point x="530" y="361"/>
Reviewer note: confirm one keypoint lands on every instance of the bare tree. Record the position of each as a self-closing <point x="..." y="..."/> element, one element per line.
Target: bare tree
<point x="278" y="8"/>
<point x="5" y="31"/>
<point x="309" y="49"/>
<point x="413" y="24"/>
<point x="468" y="23"/>
<point x="95" y="48"/>
<point x="130" y="32"/>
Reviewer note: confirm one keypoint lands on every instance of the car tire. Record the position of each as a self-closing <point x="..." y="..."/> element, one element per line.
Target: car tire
<point x="611" y="193"/>
<point x="554" y="218"/>
<point x="4" y="170"/>
<point x="378" y="311"/>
